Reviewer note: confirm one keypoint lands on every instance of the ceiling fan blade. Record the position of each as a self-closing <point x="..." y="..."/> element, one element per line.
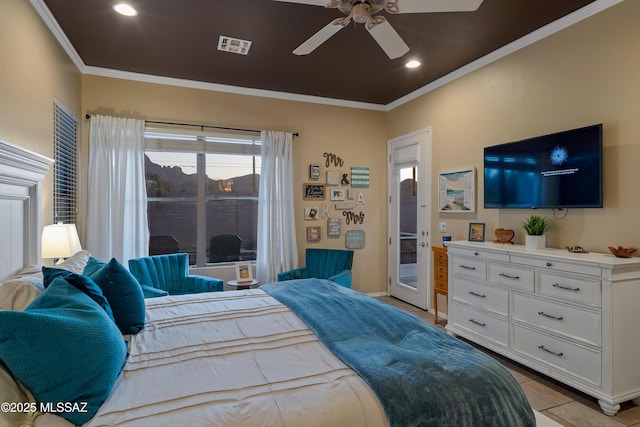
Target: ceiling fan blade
<point x="311" y="2"/>
<point x="321" y="36"/>
<point x="427" y="6"/>
<point x="388" y="38"/>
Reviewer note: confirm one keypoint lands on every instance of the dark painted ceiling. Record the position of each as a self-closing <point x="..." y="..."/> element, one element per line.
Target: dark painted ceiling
<point x="179" y="38"/>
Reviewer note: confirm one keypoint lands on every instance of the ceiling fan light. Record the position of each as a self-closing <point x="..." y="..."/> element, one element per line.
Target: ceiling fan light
<point x="361" y="13"/>
<point x="125" y="9"/>
<point x="413" y="64"/>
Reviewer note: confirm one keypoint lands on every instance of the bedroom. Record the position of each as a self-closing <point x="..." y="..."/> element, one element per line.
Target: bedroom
<point x="584" y="74"/>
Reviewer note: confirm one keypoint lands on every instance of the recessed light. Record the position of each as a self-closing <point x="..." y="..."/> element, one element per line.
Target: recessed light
<point x="412" y="64"/>
<point x="125" y="9"/>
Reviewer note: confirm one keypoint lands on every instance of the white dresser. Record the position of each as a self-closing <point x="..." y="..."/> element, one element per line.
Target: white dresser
<point x="572" y="316"/>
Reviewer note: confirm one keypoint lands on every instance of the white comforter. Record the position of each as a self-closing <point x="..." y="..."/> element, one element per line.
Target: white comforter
<point x="236" y="358"/>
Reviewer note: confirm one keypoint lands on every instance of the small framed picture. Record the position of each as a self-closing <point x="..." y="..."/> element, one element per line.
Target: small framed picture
<point x="314" y="234"/>
<point x="337" y="194"/>
<point x="311" y="191"/>
<point x="333" y="178"/>
<point x="476" y="232"/>
<point x="311" y="213"/>
<point x="314" y="171"/>
<point x="334" y="227"/>
<point x="244" y="272"/>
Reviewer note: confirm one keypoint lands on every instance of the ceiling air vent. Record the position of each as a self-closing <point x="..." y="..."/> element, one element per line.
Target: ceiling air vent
<point x="229" y="44"/>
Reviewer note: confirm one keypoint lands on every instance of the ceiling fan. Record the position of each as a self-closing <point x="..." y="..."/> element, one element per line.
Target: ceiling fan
<point x="363" y="11"/>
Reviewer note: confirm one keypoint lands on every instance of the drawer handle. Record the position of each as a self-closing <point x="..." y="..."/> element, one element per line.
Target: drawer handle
<point x="542" y="313"/>
<point x="466" y="267"/>
<point x="475" y="322"/>
<point x="549" y="264"/>
<point x="541" y="347"/>
<point x="566" y="288"/>
<point x="509" y="277"/>
<point x="477" y="295"/>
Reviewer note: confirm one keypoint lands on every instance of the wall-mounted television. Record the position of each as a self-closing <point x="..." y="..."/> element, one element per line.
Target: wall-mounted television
<point x="560" y="170"/>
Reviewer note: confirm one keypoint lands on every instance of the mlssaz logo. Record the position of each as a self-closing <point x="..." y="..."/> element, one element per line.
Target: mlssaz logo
<point x="559" y="155"/>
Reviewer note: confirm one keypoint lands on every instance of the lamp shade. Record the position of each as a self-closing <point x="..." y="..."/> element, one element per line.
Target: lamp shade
<point x="60" y="241"/>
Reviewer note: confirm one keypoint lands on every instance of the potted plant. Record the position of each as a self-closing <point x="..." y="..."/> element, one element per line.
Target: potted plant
<point x="535" y="226"/>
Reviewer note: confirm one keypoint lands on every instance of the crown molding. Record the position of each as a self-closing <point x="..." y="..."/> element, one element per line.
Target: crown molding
<point x="555" y="26"/>
<point x="54" y="27"/>
<point x="539" y="34"/>
<point x="215" y="87"/>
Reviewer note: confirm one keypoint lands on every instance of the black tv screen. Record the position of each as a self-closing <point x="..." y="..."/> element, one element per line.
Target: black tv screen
<point x="560" y="170"/>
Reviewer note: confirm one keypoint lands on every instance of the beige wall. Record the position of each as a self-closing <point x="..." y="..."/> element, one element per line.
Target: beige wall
<point x="357" y="136"/>
<point x="586" y="74"/>
<point x="34" y="70"/>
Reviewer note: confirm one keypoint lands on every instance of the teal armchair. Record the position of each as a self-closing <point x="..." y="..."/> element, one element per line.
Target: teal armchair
<point x="169" y="275"/>
<point x="331" y="264"/>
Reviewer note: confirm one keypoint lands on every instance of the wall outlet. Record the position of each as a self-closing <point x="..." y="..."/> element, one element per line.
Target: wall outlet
<point x="443" y="227"/>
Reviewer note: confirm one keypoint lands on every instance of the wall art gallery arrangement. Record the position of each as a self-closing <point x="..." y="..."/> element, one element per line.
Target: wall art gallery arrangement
<point x="335" y="201"/>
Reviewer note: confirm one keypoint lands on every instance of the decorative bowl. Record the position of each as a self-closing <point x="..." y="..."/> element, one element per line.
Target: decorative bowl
<point x="621" y="252"/>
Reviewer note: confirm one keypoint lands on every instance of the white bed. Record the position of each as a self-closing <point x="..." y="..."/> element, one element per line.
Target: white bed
<point x="234" y="358"/>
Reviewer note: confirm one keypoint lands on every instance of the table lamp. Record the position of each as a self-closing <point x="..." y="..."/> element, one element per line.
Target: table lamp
<point x="60" y="241"/>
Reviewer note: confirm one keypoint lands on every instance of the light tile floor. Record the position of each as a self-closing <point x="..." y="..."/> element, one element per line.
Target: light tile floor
<point x="563" y="404"/>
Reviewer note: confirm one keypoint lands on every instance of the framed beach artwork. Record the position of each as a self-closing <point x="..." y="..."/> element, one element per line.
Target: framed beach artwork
<point x="476" y="232"/>
<point x="457" y="191"/>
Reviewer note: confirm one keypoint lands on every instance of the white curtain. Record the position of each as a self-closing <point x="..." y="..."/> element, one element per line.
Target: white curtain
<point x="117" y="197"/>
<point x="277" y="250"/>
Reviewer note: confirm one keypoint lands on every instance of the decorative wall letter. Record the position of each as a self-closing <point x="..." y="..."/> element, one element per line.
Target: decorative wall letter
<point x="332" y="159"/>
<point x="353" y="217"/>
<point x="325" y="211"/>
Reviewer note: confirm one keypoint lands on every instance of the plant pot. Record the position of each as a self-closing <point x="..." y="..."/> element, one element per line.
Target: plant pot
<point x="535" y="242"/>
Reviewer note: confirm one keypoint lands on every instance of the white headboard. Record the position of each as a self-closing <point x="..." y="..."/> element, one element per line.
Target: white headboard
<point x="21" y="175"/>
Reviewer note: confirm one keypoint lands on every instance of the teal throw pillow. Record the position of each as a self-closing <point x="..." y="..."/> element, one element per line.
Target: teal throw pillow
<point x="123" y="292"/>
<point x="84" y="283"/>
<point x="65" y="349"/>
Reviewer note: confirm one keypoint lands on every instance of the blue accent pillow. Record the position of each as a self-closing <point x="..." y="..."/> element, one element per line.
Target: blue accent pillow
<point x="93" y="265"/>
<point x="64" y="348"/>
<point x="83" y="283"/>
<point x="123" y="292"/>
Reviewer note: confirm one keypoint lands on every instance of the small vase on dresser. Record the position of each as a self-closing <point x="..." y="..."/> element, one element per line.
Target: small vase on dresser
<point x="535" y="242"/>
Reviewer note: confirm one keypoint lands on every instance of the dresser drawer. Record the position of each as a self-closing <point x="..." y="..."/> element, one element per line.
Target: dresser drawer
<point x="440" y="272"/>
<point x="440" y="257"/>
<point x="576" y="360"/>
<point x="489" y="327"/>
<point x="571" y="288"/>
<point x="470" y="267"/>
<point x="573" y="322"/>
<point x="478" y="295"/>
<point x="479" y="252"/>
<point x="512" y="276"/>
<point x="553" y="264"/>
<point x="441" y="286"/>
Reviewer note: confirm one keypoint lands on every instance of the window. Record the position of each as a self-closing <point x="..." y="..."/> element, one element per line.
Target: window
<point x="202" y="192"/>
<point x="65" y="168"/>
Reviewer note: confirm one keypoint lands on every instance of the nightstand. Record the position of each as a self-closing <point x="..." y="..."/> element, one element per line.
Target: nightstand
<point x="440" y="276"/>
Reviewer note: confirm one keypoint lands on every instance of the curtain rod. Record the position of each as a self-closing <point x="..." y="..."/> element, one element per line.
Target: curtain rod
<point x="88" y="116"/>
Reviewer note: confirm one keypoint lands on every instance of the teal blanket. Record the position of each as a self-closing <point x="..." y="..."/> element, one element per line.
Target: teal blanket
<point x="422" y="376"/>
